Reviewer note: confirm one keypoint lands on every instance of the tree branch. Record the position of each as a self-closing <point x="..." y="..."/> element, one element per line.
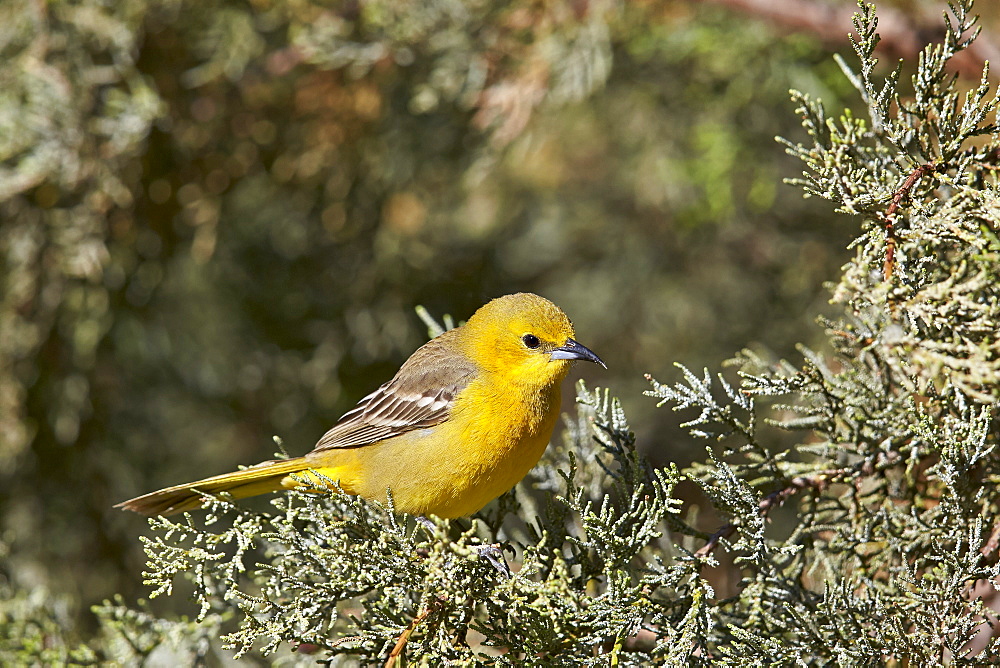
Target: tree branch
<point x="813" y="481"/>
<point x="393" y="660"/>
<point x="890" y="213"/>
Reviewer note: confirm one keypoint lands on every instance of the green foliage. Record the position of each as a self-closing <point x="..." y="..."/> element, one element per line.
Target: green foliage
<point x="895" y="520"/>
<point x="890" y="463"/>
<point x="928" y="201"/>
<point x="216" y="217"/>
<point x="350" y="577"/>
<point x="881" y="445"/>
<point x="39" y="629"/>
<point x="35" y="629"/>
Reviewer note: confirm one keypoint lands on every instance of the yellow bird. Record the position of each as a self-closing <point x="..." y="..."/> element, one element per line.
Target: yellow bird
<point x="464" y="419"/>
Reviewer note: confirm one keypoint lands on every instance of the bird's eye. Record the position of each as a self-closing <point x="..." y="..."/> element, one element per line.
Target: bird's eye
<point x="531" y="341"/>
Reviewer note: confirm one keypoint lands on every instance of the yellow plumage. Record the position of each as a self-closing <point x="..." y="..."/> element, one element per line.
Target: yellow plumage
<point x="464" y="419"/>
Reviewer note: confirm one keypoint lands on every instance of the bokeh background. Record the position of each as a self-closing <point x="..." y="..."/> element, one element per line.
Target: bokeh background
<point x="217" y="218"/>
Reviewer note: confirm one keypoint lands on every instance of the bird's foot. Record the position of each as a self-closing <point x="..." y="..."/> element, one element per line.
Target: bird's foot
<point x="494" y="554"/>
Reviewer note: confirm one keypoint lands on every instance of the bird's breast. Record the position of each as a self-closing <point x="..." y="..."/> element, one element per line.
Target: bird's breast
<point x="489" y="442"/>
<point x="494" y="440"/>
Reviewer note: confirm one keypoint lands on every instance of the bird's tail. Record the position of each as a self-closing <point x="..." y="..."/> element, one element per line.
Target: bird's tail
<point x="259" y="479"/>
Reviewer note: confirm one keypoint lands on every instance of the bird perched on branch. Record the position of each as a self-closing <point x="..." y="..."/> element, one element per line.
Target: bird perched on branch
<point x="464" y="419"/>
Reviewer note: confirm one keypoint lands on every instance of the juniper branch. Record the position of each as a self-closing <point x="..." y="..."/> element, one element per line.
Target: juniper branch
<point x="397" y="650"/>
<point x="889" y="218"/>
<point x="817" y="481"/>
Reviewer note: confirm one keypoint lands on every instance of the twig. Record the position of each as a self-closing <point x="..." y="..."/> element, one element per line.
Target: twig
<point x="813" y="481"/>
<point x="990" y="159"/>
<point x="897" y="199"/>
<point x="993" y="542"/>
<point x="713" y="540"/>
<point x="393" y="659"/>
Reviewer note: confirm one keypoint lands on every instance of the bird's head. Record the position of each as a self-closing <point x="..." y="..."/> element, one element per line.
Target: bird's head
<point x="526" y="338"/>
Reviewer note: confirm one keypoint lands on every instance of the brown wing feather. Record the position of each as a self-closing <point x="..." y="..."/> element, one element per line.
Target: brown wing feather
<point x="420" y="395"/>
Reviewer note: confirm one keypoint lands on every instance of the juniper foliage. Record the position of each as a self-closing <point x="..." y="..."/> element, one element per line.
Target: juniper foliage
<point x="347" y="576"/>
<point x="38" y="628"/>
<point x="894" y="541"/>
<point x="211" y="228"/>
<point x="882" y="451"/>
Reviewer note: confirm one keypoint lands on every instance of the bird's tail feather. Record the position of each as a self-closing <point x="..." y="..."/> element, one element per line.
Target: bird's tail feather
<point x="259" y="479"/>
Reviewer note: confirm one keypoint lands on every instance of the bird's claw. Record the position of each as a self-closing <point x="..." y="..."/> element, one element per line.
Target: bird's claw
<point x="494" y="554"/>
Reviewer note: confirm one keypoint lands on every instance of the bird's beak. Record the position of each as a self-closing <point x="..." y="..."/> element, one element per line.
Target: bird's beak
<point x="571" y="350"/>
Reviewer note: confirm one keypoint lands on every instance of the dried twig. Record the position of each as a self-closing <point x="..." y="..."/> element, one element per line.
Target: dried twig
<point x="400" y="645"/>
<point x="890" y="213"/>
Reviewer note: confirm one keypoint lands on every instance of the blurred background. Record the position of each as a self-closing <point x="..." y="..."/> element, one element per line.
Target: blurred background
<point x="217" y="218"/>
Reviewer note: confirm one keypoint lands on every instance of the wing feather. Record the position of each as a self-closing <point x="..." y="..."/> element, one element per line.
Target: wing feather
<point x="420" y="395"/>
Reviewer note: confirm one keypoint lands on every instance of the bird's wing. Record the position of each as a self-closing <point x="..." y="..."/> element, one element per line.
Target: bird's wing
<point x="421" y="395"/>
